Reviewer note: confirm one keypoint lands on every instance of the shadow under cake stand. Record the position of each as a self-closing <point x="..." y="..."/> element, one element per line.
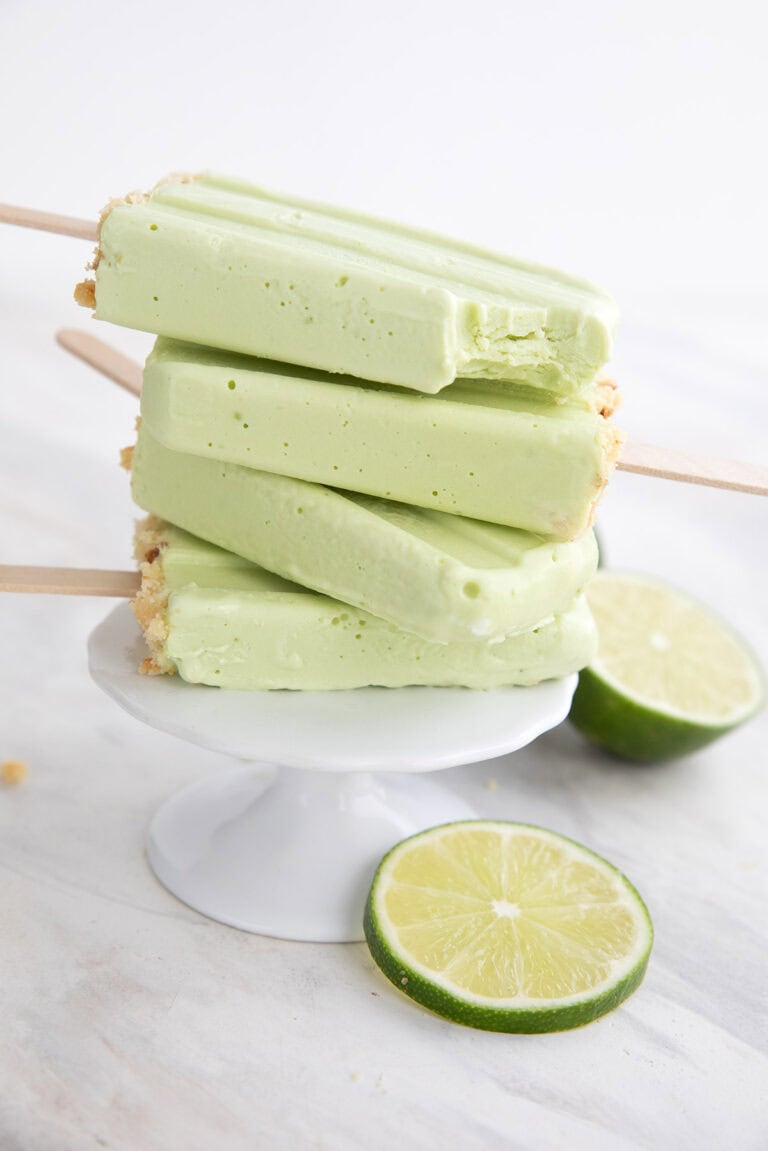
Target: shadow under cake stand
<point x="289" y="848"/>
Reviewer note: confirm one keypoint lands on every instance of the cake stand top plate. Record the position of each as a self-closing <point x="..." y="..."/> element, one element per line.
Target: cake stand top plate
<point x="370" y="729"/>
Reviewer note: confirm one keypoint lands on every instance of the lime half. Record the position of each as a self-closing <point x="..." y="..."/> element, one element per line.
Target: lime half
<point x="670" y="676"/>
<point x="507" y="927"/>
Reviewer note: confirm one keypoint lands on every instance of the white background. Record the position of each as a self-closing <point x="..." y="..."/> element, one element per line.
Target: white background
<point x="623" y="141"/>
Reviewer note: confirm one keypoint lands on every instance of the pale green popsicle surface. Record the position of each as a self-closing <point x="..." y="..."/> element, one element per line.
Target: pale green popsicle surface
<point x="495" y="455"/>
<point x="443" y="578"/>
<point x="233" y="625"/>
<point x="218" y="261"/>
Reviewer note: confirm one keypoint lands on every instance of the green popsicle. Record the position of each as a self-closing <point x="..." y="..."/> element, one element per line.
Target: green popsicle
<point x="221" y="262"/>
<point x="477" y="449"/>
<point x="443" y="578"/>
<point x="217" y="620"/>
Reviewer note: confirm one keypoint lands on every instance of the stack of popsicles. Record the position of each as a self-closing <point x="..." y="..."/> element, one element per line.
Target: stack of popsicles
<point x="370" y="455"/>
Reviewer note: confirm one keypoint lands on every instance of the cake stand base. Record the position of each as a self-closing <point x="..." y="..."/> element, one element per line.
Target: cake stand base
<point x="291" y="851"/>
<point x="291" y="854"/>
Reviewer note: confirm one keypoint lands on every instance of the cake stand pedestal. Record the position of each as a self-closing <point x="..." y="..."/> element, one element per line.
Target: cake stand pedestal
<point x="289" y="848"/>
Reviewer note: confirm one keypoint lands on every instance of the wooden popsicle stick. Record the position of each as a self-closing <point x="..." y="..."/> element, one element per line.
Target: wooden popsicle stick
<point x="48" y="222"/>
<point x="103" y="357"/>
<point x="68" y="581"/>
<point x="642" y="459"/>
<point x="646" y="460"/>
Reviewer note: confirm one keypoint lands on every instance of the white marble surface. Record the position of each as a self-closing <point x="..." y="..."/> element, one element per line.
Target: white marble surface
<point x="132" y="1023"/>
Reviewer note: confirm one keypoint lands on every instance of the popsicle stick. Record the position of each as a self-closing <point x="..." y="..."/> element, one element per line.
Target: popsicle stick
<point x="103" y="357"/>
<point x="48" y="222"/>
<point x="643" y="459"/>
<point x="646" y="460"/>
<point x="68" y="581"/>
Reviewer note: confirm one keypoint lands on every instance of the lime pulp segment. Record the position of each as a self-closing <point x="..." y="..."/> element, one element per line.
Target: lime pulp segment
<point x="671" y="652"/>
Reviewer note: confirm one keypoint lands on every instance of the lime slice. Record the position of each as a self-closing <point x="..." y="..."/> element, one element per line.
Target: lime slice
<point x="506" y="927"/>
<point x="670" y="676"/>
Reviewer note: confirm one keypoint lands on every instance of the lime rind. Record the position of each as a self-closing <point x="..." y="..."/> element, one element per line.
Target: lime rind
<point x="697" y="719"/>
<point x="608" y="717"/>
<point x="518" y="1015"/>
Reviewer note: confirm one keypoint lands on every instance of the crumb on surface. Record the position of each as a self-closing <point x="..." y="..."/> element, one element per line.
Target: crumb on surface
<point x="607" y="396"/>
<point x="612" y="439"/>
<point x="126" y="457"/>
<point x="13" y="771"/>
<point x="178" y="178"/>
<point x="613" y="443"/>
<point x="491" y="784"/>
<point x="85" y="293"/>
<point x="151" y="601"/>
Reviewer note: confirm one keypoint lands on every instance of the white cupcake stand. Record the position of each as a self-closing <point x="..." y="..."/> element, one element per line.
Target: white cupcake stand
<point x="289" y="848"/>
